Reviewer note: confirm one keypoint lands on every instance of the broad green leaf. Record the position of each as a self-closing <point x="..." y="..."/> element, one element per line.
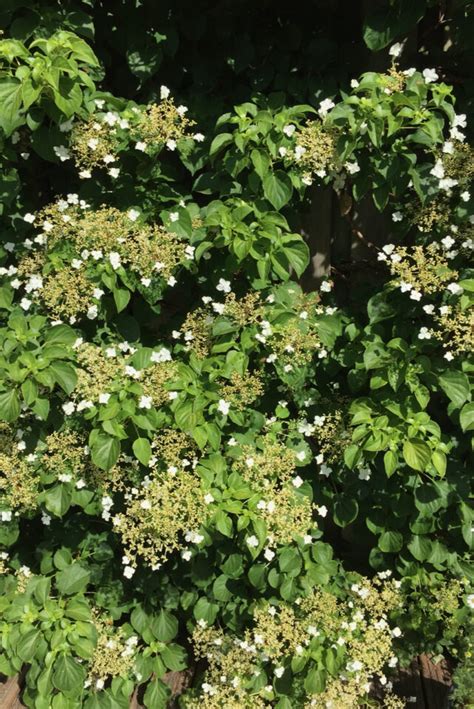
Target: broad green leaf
<point x="68" y="675"/>
<point x="105" y="451"/>
<point x="345" y="510"/>
<point x="165" y="626"/>
<point x="142" y="450"/>
<point x="277" y="188"/>
<point x="72" y="579"/>
<point x="391" y="541"/>
<point x="9" y="406"/>
<point x="64" y="374"/>
<point x="417" y="454"/>
<point x="466" y="417"/>
<point x="456" y="387"/>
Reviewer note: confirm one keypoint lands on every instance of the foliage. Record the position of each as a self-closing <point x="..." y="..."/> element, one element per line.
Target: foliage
<point x="196" y="452"/>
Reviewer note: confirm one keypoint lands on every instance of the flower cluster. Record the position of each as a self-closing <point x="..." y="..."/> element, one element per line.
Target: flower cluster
<point x="356" y="632"/>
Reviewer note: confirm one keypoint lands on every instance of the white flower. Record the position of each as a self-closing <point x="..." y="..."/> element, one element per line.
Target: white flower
<point x="133" y="214"/>
<point x="164" y="92"/>
<point x="104" y="398"/>
<point x="306" y="180"/>
<point x="64" y="477"/>
<point x="128" y="572"/>
<point x="279" y="671"/>
<point x="252" y="541"/>
<point x="322" y="510"/>
<point x="455" y="288"/>
<point x="299" y="152"/>
<point x="301" y="455"/>
<point x="84" y="404"/>
<point x="25" y="304"/>
<point x="325" y="287"/>
<point x="429" y="309"/>
<point x="80" y="484"/>
<point x="396" y="49"/>
<point x="223" y="407"/>
<point x="199" y="137"/>
<point x="208" y="498"/>
<point x="364" y="474"/>
<point x="289" y="129"/>
<point x="30" y="218"/>
<point x="115" y="260"/>
<point x="69" y="407"/>
<point x="325" y="470"/>
<point x="145" y="505"/>
<point x="354" y="666"/>
<point x="448" y="147"/>
<point x="62" y="152"/>
<point x="430" y="75"/>
<point x="354" y="84"/>
<point x="45" y="519"/>
<point x="470" y="600"/>
<point x="223" y="286"/>
<point x="163" y="355"/>
<point x="111" y="118"/>
<point x="171" y="281"/>
<point x="174" y="216"/>
<point x="460" y="121"/>
<point x="415" y="295"/>
<point x="269" y="554"/>
<point x="396" y="632"/>
<point x="92" y="312"/>
<point x="114" y="172"/>
<point x="297" y="481"/>
<point x="405" y="287"/>
<point x="438" y="170"/>
<point x="449" y="356"/>
<point x="397" y="217"/>
<point x="424" y="334"/>
<point x="325" y="106"/>
<point x="182" y="110"/>
<point x="448" y="241"/>
<point x="465" y="196"/>
<point x="186" y="555"/>
<point x="282" y="151"/>
<point x="352" y="167"/>
<point x="6" y="515"/>
<point x="145" y="402"/>
<point x="171" y="144"/>
<point x="141" y="146"/>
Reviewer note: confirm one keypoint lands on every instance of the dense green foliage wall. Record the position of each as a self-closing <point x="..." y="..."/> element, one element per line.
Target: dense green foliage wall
<point x="203" y="464"/>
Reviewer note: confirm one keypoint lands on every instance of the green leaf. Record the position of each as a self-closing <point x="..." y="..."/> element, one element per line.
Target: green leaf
<point x="58" y="500"/>
<point x="261" y="162"/>
<point x="10" y="103"/>
<point x="72" y="579"/>
<point x="390" y="542"/>
<point x="203" y="610"/>
<point x="142" y="450"/>
<point x="9" y="406"/>
<point x="121" y="298"/>
<point x="345" y="510"/>
<point x="390" y="462"/>
<point x="145" y="61"/>
<point x="297" y="253"/>
<point x="157" y="695"/>
<point x="64" y="374"/>
<point x="420" y="547"/>
<point x="466" y="417"/>
<point x="456" y="386"/>
<point x="385" y="22"/>
<point x="174" y="656"/>
<point x="223" y="523"/>
<point x="105" y="451"/>
<point x="277" y="188"/>
<point x="69" y="675"/>
<point x="219" y="142"/>
<point x="439" y="461"/>
<point x="417" y="454"/>
<point x="315" y="681"/>
<point x="165" y="627"/>
<point x="28" y="644"/>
